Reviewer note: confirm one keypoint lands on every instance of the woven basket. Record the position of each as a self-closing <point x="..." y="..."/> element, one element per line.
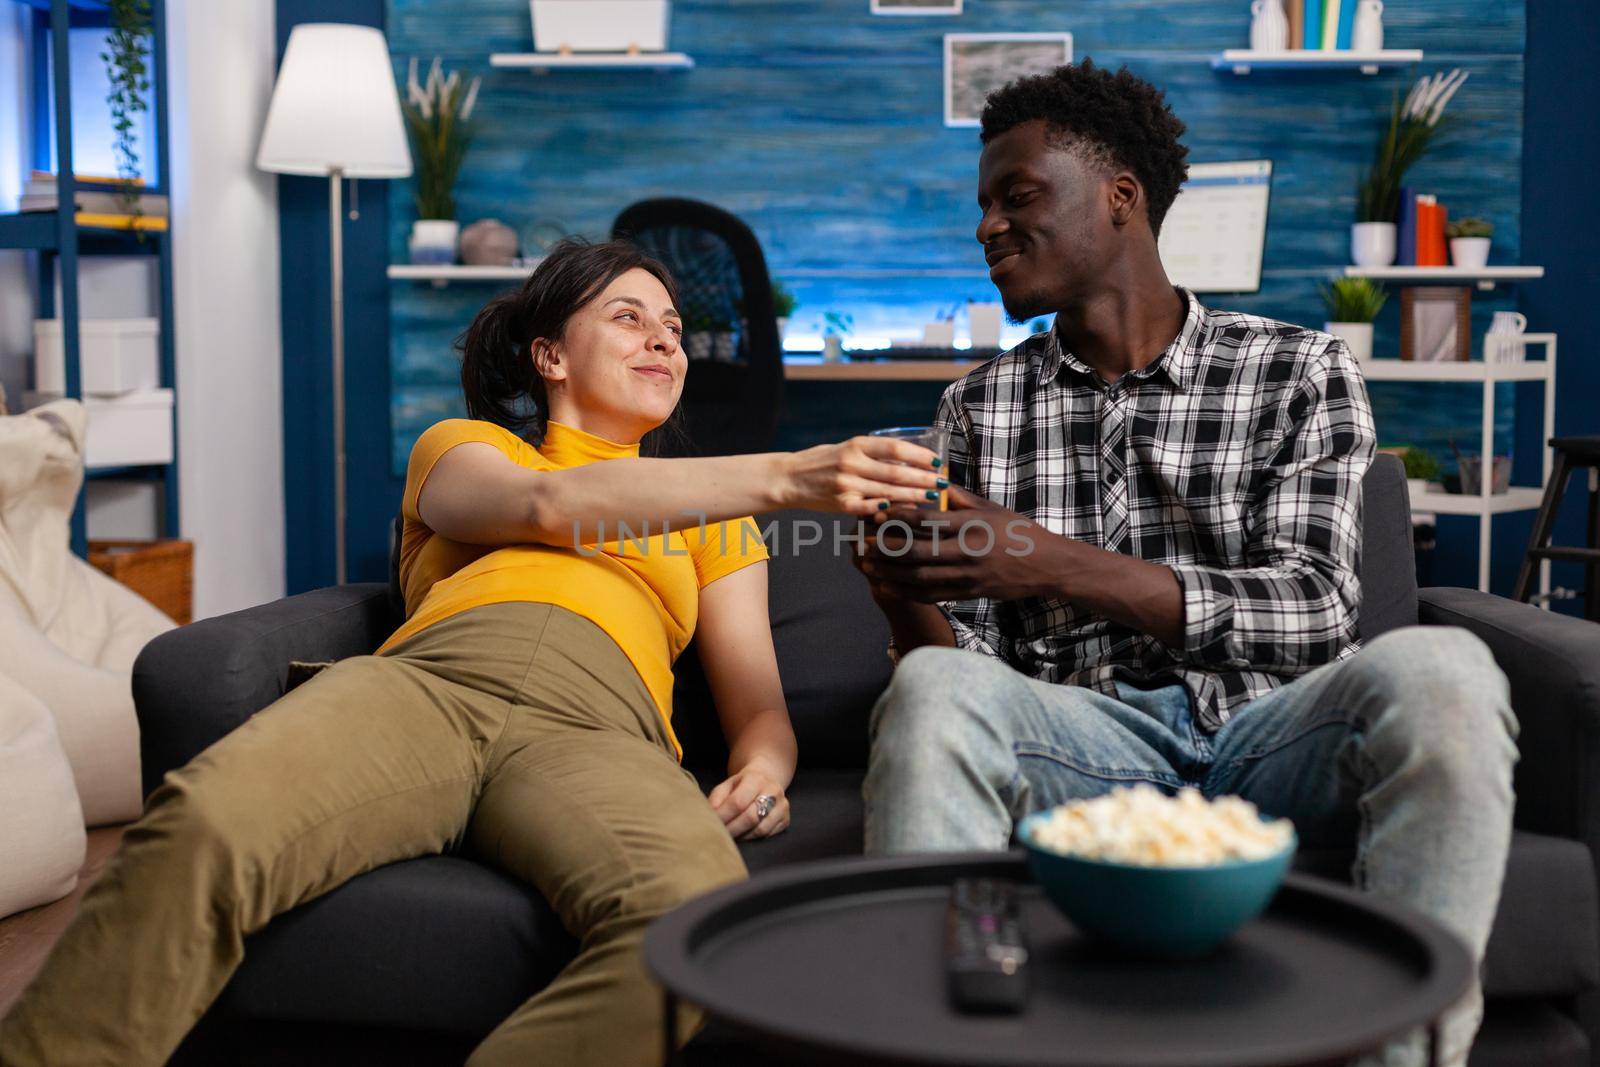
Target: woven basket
<point x="160" y="571"/>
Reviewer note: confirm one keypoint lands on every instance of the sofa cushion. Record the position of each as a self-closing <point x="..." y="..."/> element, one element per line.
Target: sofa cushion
<point x="831" y="640"/>
<point x="1546" y="936"/>
<point x="1388" y="562"/>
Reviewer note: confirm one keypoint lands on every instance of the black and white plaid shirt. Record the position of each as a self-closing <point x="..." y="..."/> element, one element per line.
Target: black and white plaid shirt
<point x="1235" y="458"/>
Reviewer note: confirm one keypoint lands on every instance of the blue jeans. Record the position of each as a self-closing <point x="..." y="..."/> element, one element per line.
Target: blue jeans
<point x="1404" y="750"/>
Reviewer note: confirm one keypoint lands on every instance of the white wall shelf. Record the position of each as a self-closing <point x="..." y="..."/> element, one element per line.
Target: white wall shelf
<point x="540" y="62"/>
<point x="1245" y="60"/>
<point x="1482" y="277"/>
<point x="1484" y="504"/>
<point x="444" y="273"/>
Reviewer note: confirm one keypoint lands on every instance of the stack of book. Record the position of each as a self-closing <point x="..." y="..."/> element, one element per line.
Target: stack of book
<point x="1420" y="237"/>
<point x="98" y="207"/>
<point x="1320" y="24"/>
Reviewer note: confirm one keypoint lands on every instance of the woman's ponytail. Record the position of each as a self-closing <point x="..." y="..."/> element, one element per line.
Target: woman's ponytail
<point x="498" y="377"/>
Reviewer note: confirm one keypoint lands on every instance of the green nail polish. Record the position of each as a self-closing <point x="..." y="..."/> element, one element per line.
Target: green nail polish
<point x="883" y="505"/>
<point x="937" y="462"/>
<point x="932" y="495"/>
<point x="942" y="483"/>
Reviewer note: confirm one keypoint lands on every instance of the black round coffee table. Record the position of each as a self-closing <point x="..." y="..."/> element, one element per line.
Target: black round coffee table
<point x="841" y="963"/>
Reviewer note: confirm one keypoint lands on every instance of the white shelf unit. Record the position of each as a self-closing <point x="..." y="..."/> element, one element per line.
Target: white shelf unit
<point x="1482" y="277"/>
<point x="443" y="274"/>
<point x="1485" y="504"/>
<point x="539" y="62"/>
<point x="1245" y="60"/>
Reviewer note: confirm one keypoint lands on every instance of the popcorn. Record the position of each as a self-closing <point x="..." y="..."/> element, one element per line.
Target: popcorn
<point x="1144" y="827"/>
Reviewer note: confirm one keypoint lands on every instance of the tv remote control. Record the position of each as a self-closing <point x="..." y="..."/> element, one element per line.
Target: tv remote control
<point x="985" y="958"/>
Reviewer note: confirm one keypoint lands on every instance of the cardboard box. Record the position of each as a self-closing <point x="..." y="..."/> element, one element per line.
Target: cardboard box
<point x="115" y="356"/>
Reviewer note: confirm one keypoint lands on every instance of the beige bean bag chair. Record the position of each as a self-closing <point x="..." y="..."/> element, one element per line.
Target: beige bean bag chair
<point x="41" y="825"/>
<point x="68" y="634"/>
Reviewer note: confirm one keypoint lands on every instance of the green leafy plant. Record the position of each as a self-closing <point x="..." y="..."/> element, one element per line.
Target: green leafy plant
<point x="438" y="117"/>
<point x="1354" y="299"/>
<point x="1471" y="226"/>
<point x="783" y="301"/>
<point x="1421" y="465"/>
<point x="128" y="76"/>
<point x="837" y="323"/>
<point x="1413" y="126"/>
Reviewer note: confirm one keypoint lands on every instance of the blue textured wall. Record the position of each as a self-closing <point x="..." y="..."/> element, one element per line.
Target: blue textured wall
<point x="821" y="125"/>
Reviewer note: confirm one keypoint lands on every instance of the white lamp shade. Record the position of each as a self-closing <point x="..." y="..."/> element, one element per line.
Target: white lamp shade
<point x="335" y="106"/>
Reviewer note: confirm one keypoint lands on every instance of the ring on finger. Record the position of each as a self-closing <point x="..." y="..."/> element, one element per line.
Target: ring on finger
<point x="764" y="805"/>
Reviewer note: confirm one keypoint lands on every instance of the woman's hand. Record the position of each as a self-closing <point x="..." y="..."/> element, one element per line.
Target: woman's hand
<point x="736" y="802"/>
<point x="855" y="476"/>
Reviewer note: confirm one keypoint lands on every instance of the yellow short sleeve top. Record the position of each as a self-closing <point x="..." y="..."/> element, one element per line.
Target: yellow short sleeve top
<point x="642" y="591"/>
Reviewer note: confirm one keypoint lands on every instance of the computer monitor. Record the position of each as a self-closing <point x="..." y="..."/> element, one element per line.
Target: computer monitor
<point x="1215" y="233"/>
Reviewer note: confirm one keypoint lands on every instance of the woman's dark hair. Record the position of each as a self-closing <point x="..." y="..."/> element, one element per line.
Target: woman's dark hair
<point x="498" y="377"/>
<point x="1117" y="117"/>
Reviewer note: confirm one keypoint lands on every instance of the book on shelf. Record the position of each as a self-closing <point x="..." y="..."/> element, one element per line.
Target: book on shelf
<point x="1296" y="10"/>
<point x="1405" y="244"/>
<point x="1347" y="24"/>
<point x="121" y="221"/>
<point x="97" y="202"/>
<point x="1330" y="22"/>
<point x="1313" y="24"/>
<point x="1431" y="248"/>
<point x="43" y="181"/>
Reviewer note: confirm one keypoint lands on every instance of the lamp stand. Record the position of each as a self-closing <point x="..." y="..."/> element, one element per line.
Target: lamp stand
<point x="336" y="259"/>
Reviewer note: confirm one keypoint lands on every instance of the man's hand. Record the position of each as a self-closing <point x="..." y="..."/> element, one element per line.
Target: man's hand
<point x="975" y="549"/>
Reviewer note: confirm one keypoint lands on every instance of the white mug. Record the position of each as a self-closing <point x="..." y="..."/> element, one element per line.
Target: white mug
<point x="1508" y="322"/>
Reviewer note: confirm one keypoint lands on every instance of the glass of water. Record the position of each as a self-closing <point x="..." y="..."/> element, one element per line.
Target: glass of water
<point x="935" y="439"/>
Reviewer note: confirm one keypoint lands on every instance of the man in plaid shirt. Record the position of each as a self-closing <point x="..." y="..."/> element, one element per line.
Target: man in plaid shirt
<point x="1149" y="569"/>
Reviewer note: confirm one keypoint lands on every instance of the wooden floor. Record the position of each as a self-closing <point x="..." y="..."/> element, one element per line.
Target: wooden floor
<point x="27" y="937"/>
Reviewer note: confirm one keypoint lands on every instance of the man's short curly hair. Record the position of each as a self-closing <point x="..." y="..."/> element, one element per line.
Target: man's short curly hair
<point x="1117" y="119"/>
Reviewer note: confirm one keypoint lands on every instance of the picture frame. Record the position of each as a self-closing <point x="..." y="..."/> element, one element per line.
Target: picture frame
<point x="976" y="64"/>
<point x="916" y="7"/>
<point x="1436" y="323"/>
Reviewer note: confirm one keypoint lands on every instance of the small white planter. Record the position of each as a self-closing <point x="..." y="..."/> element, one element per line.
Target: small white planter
<point x="1357" y="336"/>
<point x="1470" y="252"/>
<point x="783" y="328"/>
<point x="1415" y="488"/>
<point x="434" y="240"/>
<point x="983" y="325"/>
<point x="600" y="25"/>
<point x="1372" y="244"/>
<point x="833" y="349"/>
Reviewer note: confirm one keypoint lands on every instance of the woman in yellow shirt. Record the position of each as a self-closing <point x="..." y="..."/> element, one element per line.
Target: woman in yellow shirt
<point x="523" y="711"/>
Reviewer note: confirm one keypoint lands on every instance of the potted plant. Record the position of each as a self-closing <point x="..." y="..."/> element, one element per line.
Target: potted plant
<point x="835" y="325"/>
<point x="128" y="79"/>
<point x="783" y="305"/>
<point x="1413" y="126"/>
<point x="1421" y="468"/>
<point x="1469" y="242"/>
<point x="1352" y="305"/>
<point x="438" y="117"/>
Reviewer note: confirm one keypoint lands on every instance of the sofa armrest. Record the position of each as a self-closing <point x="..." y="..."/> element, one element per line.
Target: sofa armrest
<point x="193" y="685"/>
<point x="1553" y="664"/>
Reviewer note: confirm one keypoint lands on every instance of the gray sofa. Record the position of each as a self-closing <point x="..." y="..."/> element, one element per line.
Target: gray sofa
<point x="414" y="962"/>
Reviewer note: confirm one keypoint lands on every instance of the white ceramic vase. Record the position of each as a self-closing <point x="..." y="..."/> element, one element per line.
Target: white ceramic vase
<point x="1357" y="336"/>
<point x="983" y="325"/>
<point x="434" y="240"/>
<point x="1367" y="34"/>
<point x="833" y="348"/>
<point x="1269" y="26"/>
<point x="1372" y="244"/>
<point x="1470" y="252"/>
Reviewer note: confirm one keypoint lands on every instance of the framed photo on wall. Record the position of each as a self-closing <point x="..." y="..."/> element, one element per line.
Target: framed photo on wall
<point x="916" y="7"/>
<point x="976" y="64"/>
<point x="1436" y="323"/>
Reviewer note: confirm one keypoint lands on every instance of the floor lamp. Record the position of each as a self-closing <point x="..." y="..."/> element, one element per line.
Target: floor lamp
<point x="335" y="112"/>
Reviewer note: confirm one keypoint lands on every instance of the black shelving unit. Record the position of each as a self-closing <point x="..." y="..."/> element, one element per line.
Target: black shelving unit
<point x="59" y="241"/>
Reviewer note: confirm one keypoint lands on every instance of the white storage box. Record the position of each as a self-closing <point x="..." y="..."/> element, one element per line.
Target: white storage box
<point x="132" y="430"/>
<point x="115" y="355"/>
<point x="600" y="25"/>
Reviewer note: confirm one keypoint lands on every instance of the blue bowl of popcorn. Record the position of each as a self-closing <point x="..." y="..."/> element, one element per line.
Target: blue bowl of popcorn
<point x="1158" y="876"/>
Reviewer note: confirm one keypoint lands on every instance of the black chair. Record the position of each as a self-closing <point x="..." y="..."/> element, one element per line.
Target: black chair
<point x="734" y="390"/>
<point x="1572" y="454"/>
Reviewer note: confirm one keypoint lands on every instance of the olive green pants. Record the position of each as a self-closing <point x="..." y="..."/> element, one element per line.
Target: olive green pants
<point x="519" y="730"/>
